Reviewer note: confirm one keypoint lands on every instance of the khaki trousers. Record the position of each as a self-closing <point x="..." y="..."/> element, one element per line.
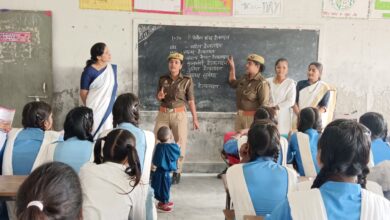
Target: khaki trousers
<point x="242" y="122"/>
<point x="177" y="122"/>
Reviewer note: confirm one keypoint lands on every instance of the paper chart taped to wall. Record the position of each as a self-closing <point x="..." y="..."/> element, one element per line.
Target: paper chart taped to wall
<point x="380" y="9"/>
<point x="257" y="8"/>
<point x="345" y="8"/>
<point x="158" y="6"/>
<point x="18" y="37"/>
<point x="120" y="5"/>
<point x="208" y="7"/>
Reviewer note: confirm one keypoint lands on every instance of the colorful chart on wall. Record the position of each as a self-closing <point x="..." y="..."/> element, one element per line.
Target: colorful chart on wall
<point x="257" y="8"/>
<point x="120" y="5"/>
<point x="380" y="9"/>
<point x="208" y="7"/>
<point x="158" y="6"/>
<point x="346" y="8"/>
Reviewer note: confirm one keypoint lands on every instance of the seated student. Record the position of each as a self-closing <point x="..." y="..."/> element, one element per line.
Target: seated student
<point x="378" y="127"/>
<point x="112" y="186"/>
<point x="126" y="116"/>
<point x="257" y="186"/>
<point x="303" y="144"/>
<point x="27" y="148"/>
<point x="165" y="159"/>
<point x="76" y="150"/>
<point x="338" y="192"/>
<point x="51" y="191"/>
<point x="381" y="175"/>
<point x="232" y="146"/>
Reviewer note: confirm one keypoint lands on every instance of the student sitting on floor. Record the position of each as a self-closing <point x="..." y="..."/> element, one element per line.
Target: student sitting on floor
<point x="378" y="127"/>
<point x="51" y="191"/>
<point x="27" y="148"/>
<point x="303" y="144"/>
<point x="338" y="192"/>
<point x="257" y="186"/>
<point x="112" y="187"/>
<point x="165" y="159"/>
<point x="76" y="150"/>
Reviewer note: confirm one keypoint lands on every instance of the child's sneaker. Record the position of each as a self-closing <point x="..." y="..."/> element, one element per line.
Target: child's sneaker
<point x="161" y="207"/>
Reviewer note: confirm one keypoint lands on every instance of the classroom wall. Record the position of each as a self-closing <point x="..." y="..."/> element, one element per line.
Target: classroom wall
<point x="355" y="54"/>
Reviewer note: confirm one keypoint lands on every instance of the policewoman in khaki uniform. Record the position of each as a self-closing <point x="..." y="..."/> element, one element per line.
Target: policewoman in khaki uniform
<point x="252" y="90"/>
<point x="174" y="91"/>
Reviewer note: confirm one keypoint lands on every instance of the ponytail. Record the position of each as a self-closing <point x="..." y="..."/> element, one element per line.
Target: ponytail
<point x="32" y="213"/>
<point x="134" y="168"/>
<point x="98" y="151"/>
<point x="322" y="177"/>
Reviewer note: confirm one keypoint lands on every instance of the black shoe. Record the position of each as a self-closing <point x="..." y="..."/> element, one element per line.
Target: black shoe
<point x="175" y="178"/>
<point x="219" y="176"/>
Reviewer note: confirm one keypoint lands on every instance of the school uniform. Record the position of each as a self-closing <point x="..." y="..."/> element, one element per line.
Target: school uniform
<point x="108" y="193"/>
<point x="145" y="147"/>
<point x="257" y="187"/>
<point x="333" y="201"/>
<point x="140" y="140"/>
<point x="233" y="146"/>
<point x="74" y="152"/>
<point x="380" y="150"/>
<point x="303" y="149"/>
<point x="26" y="149"/>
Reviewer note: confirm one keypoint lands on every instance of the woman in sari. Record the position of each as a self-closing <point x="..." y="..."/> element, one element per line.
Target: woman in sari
<point x="313" y="92"/>
<point x="98" y="87"/>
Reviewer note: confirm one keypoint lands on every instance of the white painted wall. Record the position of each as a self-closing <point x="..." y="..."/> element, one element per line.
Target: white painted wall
<point x="355" y="53"/>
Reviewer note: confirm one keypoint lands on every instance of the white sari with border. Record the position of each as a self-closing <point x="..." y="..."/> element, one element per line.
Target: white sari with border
<point x="239" y="193"/>
<point x="101" y="98"/>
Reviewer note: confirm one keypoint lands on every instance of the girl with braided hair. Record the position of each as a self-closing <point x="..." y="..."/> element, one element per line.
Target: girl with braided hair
<point x="338" y="192"/>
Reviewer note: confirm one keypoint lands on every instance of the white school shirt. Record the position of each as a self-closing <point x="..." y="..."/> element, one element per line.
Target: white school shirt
<point x="106" y="193"/>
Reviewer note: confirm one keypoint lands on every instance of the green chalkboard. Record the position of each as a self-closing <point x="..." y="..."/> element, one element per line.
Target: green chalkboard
<point x="25" y="58"/>
<point x="206" y="50"/>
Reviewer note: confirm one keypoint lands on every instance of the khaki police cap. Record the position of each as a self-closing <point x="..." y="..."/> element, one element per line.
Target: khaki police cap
<point x="176" y="55"/>
<point x="257" y="58"/>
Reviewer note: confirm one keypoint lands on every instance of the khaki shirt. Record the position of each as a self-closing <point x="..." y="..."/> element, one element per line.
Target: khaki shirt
<point x="177" y="92"/>
<point x="251" y="93"/>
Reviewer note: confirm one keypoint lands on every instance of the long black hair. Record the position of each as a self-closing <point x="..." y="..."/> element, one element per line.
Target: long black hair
<point x="263" y="140"/>
<point x="126" y="109"/>
<point x="119" y="145"/>
<point x="79" y="123"/>
<point x="96" y="50"/>
<point x="57" y="186"/>
<point x="344" y="150"/>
